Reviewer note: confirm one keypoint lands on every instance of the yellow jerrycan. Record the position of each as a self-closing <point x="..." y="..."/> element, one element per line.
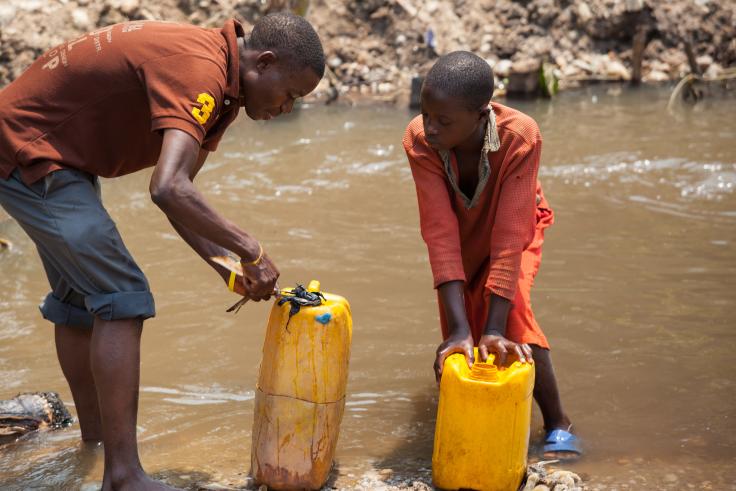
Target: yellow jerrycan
<point x="300" y="396"/>
<point x="482" y="434"/>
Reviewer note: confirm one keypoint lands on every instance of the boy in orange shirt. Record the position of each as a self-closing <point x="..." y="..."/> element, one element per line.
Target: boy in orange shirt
<point x="482" y="215"/>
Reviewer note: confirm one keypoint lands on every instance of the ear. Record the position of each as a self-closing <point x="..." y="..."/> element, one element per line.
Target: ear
<point x="265" y="60"/>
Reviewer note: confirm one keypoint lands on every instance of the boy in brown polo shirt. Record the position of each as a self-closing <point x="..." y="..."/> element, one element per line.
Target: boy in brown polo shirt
<point x="109" y="103"/>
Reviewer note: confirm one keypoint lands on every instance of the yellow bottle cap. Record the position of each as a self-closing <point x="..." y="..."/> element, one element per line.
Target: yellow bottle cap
<point x="484" y="372"/>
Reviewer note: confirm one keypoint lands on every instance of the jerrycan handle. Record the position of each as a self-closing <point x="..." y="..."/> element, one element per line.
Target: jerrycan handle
<point x="484" y="372"/>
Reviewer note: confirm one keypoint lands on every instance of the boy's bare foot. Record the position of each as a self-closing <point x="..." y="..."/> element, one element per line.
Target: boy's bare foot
<point x="139" y="481"/>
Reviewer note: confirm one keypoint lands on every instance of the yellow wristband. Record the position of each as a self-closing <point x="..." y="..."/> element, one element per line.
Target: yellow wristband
<point x="257" y="260"/>
<point x="231" y="281"/>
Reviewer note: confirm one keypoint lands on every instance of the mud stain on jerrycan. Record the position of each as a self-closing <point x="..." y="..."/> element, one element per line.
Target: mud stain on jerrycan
<point x="482" y="435"/>
<point x="300" y="396"/>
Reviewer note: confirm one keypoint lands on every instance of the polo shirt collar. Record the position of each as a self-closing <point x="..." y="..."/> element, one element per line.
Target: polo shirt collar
<point x="231" y="31"/>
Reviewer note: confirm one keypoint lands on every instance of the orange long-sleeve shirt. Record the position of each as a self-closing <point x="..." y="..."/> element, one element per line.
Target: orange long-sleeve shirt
<point x="500" y="226"/>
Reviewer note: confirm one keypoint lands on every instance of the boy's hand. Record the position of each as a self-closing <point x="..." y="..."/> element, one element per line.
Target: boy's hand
<point x="259" y="280"/>
<point x="457" y="343"/>
<point x="502" y="348"/>
<point x="252" y="281"/>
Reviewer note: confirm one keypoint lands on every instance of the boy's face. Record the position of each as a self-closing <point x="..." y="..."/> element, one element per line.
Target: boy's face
<point x="447" y="121"/>
<point x="271" y="86"/>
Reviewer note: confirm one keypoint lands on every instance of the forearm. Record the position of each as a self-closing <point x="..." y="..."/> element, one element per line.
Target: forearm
<point x="453" y="304"/>
<point x="498" y="313"/>
<point x="184" y="204"/>
<point x="172" y="190"/>
<point x="203" y="247"/>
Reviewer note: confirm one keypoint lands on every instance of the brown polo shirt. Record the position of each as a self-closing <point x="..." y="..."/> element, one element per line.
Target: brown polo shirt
<point x="99" y="103"/>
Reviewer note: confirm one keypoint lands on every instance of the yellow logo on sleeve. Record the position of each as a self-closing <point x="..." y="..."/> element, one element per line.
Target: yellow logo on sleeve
<point x="202" y="114"/>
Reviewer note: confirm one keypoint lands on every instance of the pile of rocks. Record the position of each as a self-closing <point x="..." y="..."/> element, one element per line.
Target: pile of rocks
<point x="375" y="47"/>
<point x="30" y="27"/>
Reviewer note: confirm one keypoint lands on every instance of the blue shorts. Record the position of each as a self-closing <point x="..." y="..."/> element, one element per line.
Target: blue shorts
<point x="90" y="270"/>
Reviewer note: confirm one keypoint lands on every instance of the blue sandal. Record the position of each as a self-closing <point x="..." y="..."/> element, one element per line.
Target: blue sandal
<point x="562" y="441"/>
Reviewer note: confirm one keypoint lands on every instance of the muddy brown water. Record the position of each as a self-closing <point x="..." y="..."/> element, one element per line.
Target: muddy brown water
<point x="636" y="293"/>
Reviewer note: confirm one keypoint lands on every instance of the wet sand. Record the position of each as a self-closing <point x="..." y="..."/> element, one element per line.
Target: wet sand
<point x="635" y="292"/>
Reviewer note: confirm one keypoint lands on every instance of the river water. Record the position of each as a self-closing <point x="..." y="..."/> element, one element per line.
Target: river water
<point x="636" y="292"/>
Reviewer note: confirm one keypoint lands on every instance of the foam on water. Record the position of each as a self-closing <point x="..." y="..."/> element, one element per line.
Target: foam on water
<point x="199" y="395"/>
<point x="691" y="180"/>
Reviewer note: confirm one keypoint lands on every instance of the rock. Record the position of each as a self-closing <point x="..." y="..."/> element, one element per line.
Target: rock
<point x="81" y="20"/>
<point x="29" y="412"/>
<point x="704" y="61"/>
<point x="386" y="88"/>
<point x="565" y="477"/>
<point x="502" y="68"/>
<point x="656" y="76"/>
<point x="584" y="13"/>
<point x="713" y="71"/>
<point x="532" y="480"/>
<point x="541" y="487"/>
<point x="31" y="5"/>
<point x="334" y="61"/>
<point x="524" y="77"/>
<point x="674" y="58"/>
<point x="7" y="13"/>
<point x="634" y="5"/>
<point x="617" y="70"/>
<point x="571" y="72"/>
<point x="659" y="66"/>
<point x="537" y="46"/>
<point x="127" y="7"/>
<point x="582" y="65"/>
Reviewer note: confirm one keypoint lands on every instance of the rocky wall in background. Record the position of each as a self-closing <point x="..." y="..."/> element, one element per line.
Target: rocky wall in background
<point x="375" y="47"/>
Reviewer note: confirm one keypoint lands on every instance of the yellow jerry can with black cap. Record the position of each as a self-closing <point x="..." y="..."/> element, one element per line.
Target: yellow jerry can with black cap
<point x="300" y="397"/>
<point x="483" y="418"/>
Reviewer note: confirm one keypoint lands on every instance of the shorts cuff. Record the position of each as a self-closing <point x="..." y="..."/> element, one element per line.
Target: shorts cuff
<point x="65" y="314"/>
<point x="121" y="305"/>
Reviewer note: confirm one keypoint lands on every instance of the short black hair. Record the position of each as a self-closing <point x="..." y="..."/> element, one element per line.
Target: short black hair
<point x="291" y="36"/>
<point x="463" y="75"/>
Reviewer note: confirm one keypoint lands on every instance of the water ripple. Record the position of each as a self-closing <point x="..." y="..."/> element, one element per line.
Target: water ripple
<point x="686" y="179"/>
